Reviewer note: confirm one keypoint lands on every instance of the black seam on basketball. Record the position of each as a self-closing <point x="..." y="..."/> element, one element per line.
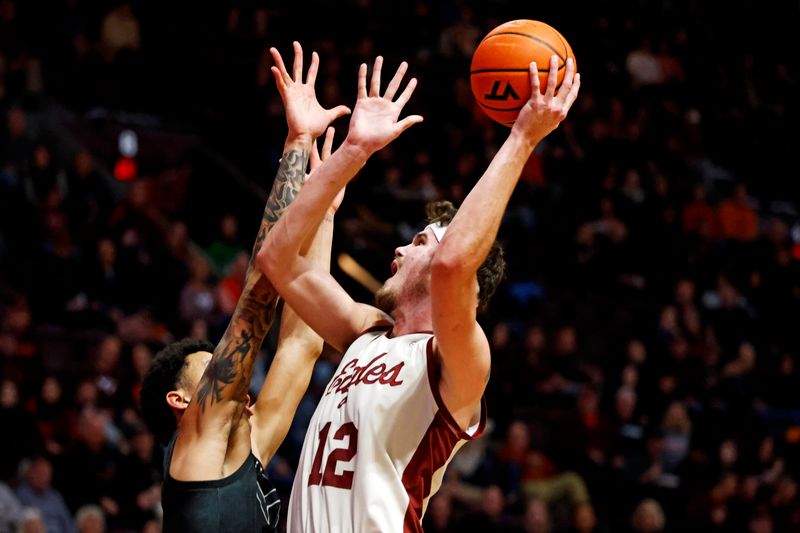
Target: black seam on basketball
<point x="498" y="108"/>
<point x="485" y="70"/>
<point x="480" y="71"/>
<point x="566" y="50"/>
<point x="545" y="43"/>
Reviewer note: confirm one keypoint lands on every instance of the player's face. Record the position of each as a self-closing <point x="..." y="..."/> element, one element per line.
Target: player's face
<point x="411" y="271"/>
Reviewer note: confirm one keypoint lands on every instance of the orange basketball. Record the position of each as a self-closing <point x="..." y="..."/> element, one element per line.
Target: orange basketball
<point x="499" y="71"/>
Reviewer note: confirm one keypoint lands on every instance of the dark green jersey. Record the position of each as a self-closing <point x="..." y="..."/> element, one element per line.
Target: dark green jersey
<point x="244" y="501"/>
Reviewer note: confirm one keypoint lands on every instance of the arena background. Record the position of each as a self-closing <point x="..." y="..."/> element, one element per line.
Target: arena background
<point x="645" y="351"/>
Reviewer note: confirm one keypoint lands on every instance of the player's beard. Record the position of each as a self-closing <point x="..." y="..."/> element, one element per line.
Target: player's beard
<point x="416" y="289"/>
<point x="385" y="299"/>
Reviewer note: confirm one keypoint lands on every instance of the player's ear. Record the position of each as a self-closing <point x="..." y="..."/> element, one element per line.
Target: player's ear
<point x="176" y="400"/>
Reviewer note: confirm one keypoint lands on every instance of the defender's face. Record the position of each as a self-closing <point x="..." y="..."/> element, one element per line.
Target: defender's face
<point x="196" y="364"/>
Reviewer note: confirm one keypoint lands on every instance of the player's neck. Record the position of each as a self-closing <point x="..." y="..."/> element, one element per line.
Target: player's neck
<point x="412" y="317"/>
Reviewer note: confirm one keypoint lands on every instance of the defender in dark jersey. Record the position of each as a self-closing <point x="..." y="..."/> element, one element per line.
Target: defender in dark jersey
<point x="194" y="396"/>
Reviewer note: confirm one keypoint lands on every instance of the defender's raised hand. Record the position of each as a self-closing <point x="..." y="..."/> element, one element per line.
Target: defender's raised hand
<point x="374" y="123"/>
<point x="304" y="114"/>
<point x="542" y="113"/>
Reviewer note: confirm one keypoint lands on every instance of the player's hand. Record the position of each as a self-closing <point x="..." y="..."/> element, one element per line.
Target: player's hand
<point x="304" y="114"/>
<point x="542" y="113"/>
<point x="375" y="123"/>
<point x="316" y="160"/>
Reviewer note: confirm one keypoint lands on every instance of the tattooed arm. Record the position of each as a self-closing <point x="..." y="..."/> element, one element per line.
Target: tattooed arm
<point x="298" y="345"/>
<point x="214" y="436"/>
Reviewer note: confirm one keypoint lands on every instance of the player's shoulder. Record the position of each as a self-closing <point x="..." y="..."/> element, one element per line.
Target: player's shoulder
<point x="375" y="321"/>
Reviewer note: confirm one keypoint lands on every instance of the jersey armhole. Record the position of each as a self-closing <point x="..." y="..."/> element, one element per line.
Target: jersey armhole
<point x="434" y="370"/>
<point x="381" y="325"/>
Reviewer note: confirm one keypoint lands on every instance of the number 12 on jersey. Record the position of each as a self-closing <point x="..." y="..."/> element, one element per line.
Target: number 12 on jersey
<point x="329" y="478"/>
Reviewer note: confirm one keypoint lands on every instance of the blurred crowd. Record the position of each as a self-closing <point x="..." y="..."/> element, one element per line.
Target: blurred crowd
<point x="645" y="364"/>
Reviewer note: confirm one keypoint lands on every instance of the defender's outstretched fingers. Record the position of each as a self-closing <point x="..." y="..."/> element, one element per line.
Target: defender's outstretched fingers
<point x="362" y="80"/>
<point x="566" y="83"/>
<point x="552" y="77"/>
<point x="406" y="94"/>
<point x="375" y="86"/>
<point x="327" y="145"/>
<point x="391" y="90"/>
<point x="298" y="62"/>
<point x="311" y="77"/>
<point x="276" y="57"/>
<point x="407" y="122"/>
<point x="573" y="92"/>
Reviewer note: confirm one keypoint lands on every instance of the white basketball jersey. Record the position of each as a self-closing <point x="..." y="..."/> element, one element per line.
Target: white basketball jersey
<point x="379" y="442"/>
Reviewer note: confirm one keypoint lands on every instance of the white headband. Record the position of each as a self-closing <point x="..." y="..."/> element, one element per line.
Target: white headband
<point x="438" y="230"/>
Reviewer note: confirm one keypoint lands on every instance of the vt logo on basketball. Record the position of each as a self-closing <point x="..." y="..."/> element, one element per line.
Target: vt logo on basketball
<point x="505" y="95"/>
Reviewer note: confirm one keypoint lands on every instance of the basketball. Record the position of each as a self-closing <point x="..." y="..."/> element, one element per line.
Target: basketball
<point x="499" y="70"/>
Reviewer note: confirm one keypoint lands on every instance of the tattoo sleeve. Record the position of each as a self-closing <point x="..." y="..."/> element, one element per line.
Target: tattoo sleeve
<point x="228" y="374"/>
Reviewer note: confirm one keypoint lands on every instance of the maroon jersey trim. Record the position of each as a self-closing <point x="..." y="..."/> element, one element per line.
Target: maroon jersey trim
<point x="432" y="453"/>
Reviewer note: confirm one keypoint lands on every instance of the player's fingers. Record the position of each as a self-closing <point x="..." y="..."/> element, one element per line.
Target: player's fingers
<point x="314" y="159"/>
<point x="391" y="89"/>
<point x="339" y="199"/>
<point x="552" y="77"/>
<point x="278" y="78"/>
<point x="311" y="77"/>
<point x="566" y="83"/>
<point x="276" y="56"/>
<point x="337" y="112"/>
<point x="406" y="95"/>
<point x="407" y="122"/>
<point x="535" y="85"/>
<point x="573" y="92"/>
<point x="298" y="62"/>
<point x="375" y="85"/>
<point x="362" y="80"/>
<point x="327" y="145"/>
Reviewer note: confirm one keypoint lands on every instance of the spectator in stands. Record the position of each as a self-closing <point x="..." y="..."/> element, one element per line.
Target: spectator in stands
<point x="698" y="215"/>
<point x="36" y="491"/>
<point x="737" y="218"/>
<point x="230" y="287"/>
<point x="10" y="509"/>
<point x="90" y="467"/>
<point x="648" y="517"/>
<point x="222" y="250"/>
<point x="197" y="299"/>
<point x="31" y="522"/>
<point x="536" y="518"/>
<point x="52" y="416"/>
<point x="24" y="438"/>
<point x="90" y="519"/>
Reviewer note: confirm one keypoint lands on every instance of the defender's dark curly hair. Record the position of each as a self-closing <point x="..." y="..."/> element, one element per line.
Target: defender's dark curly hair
<point x="493" y="269"/>
<point x="165" y="374"/>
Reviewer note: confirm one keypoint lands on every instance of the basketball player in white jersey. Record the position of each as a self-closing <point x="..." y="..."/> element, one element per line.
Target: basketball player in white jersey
<point x="408" y="392"/>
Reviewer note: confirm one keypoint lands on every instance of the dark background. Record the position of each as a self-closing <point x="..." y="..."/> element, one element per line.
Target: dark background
<point x="644" y="343"/>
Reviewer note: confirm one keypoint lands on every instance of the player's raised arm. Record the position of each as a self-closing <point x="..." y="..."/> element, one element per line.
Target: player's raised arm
<point x="310" y="291"/>
<point x="460" y="342"/>
<point x="298" y="345"/>
<point x="211" y="428"/>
